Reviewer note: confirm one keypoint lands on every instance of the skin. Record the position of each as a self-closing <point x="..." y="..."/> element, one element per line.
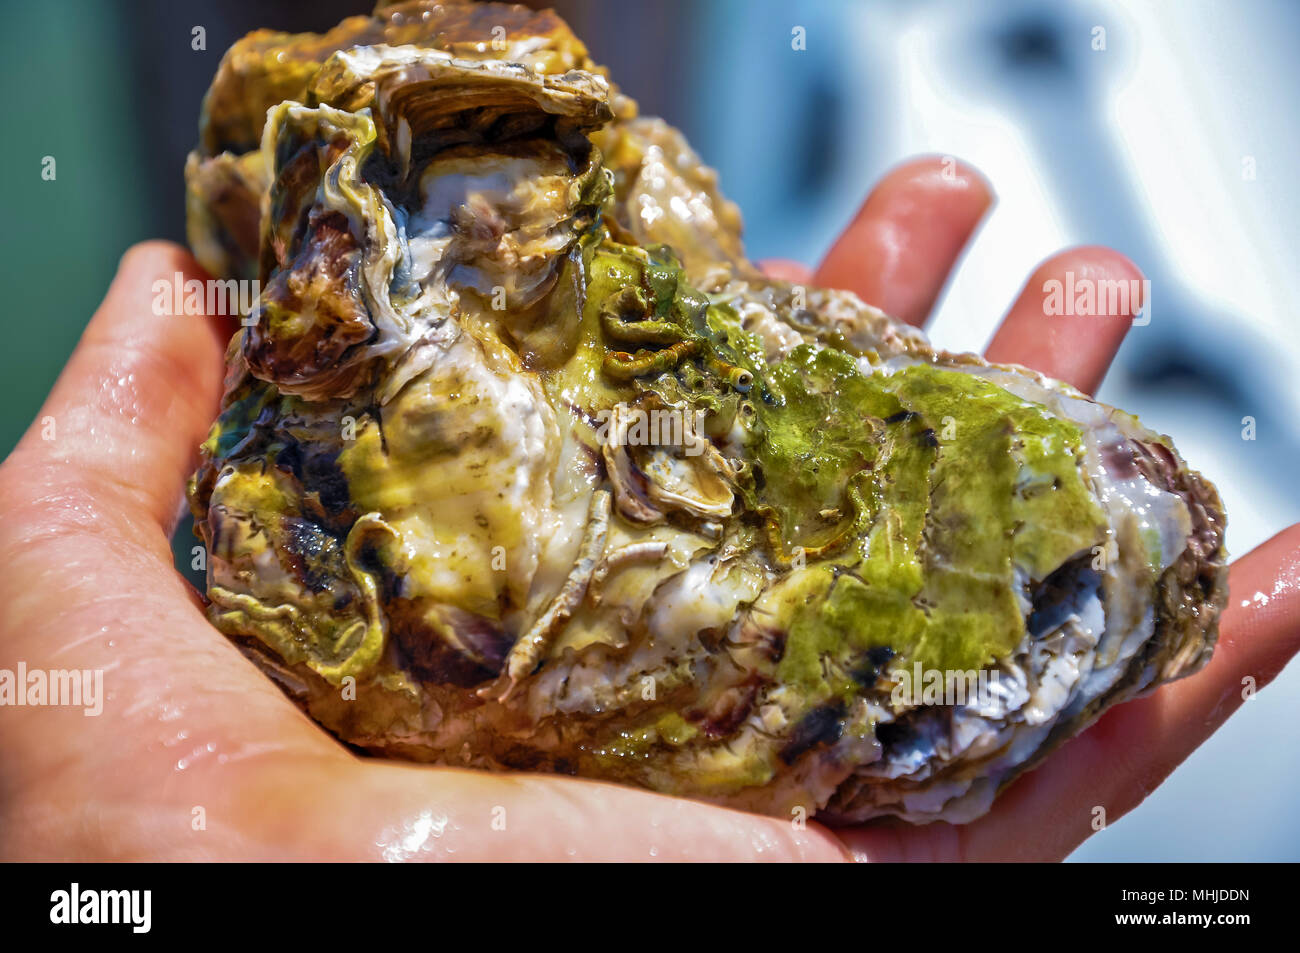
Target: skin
<point x="192" y="730"/>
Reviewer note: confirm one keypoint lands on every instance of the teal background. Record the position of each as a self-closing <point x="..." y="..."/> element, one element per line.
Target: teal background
<point x="65" y="91"/>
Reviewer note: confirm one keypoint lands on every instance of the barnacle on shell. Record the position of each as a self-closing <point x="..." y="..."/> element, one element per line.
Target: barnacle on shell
<point x="518" y="447"/>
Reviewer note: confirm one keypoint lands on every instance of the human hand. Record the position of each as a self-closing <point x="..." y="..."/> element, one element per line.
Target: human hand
<point x="191" y="730"/>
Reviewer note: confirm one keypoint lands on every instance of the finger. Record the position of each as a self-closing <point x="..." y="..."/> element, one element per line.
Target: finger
<point x="1071" y="318"/>
<point x="127" y="413"/>
<point x="897" y="252"/>
<point x="1117" y="762"/>
<point x="785" y="270"/>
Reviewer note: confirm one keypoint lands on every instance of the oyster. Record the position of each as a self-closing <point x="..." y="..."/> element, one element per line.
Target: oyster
<point x="521" y="463"/>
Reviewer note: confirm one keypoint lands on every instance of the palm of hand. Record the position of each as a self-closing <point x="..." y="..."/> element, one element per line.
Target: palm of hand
<point x="199" y="756"/>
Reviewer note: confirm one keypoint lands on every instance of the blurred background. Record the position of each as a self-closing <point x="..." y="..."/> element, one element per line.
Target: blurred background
<point x="1168" y="129"/>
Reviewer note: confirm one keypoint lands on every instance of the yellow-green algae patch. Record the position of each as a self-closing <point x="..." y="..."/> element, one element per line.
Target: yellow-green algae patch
<point x="974" y="485"/>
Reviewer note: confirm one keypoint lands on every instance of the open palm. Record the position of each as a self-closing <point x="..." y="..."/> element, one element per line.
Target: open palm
<point x="198" y="756"/>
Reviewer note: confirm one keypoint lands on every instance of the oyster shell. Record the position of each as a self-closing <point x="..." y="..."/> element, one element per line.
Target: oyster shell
<point x="521" y="464"/>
